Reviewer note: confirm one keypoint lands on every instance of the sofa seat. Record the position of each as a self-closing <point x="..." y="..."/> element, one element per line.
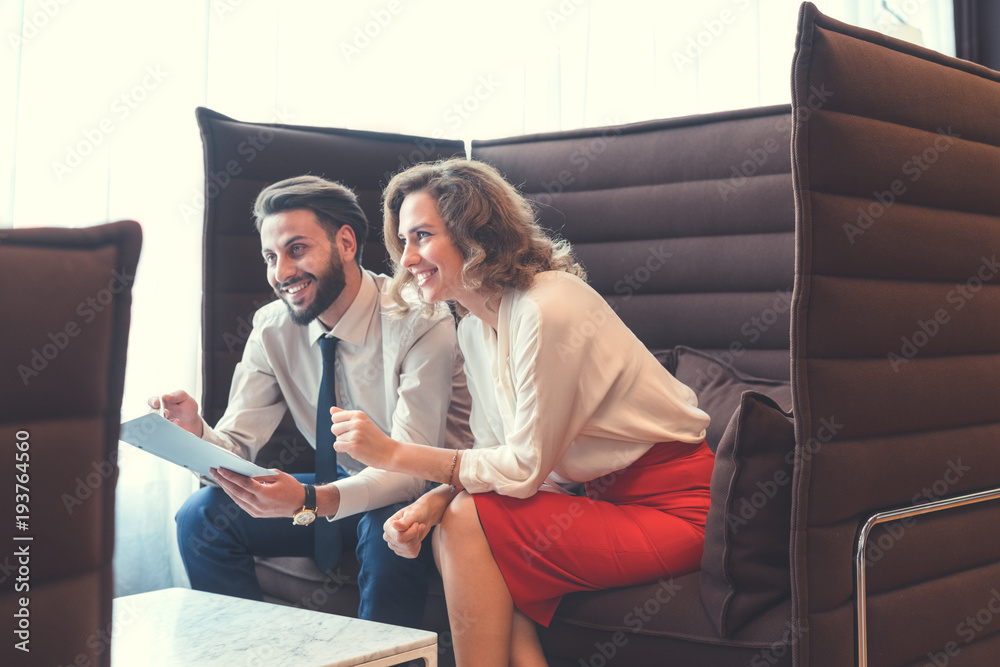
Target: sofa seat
<point x="625" y="626"/>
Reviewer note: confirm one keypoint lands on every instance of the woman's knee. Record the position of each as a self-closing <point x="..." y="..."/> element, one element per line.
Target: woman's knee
<point x="460" y="521"/>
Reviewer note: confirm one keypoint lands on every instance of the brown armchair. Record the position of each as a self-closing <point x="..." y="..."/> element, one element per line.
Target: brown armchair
<point x="67" y="295"/>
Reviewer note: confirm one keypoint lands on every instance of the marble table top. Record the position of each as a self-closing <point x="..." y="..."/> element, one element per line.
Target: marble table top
<point x="178" y="626"/>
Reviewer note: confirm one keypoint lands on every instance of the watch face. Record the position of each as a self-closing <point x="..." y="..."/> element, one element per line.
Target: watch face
<point x="304" y="517"/>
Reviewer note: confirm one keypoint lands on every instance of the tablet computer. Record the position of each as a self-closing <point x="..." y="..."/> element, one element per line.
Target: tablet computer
<point x="156" y="435"/>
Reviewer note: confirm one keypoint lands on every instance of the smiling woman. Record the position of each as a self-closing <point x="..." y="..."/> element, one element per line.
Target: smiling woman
<point x="544" y="415"/>
<point x="429" y="253"/>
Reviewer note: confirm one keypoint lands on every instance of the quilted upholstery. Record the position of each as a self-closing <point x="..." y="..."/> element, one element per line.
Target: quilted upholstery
<point x="67" y="300"/>
<point x="895" y="349"/>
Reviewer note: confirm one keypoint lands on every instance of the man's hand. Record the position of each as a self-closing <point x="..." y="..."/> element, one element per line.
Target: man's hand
<point x="278" y="495"/>
<point x="360" y="438"/>
<point x="181" y="409"/>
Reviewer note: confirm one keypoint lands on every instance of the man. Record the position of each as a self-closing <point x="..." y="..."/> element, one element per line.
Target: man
<point x="403" y="371"/>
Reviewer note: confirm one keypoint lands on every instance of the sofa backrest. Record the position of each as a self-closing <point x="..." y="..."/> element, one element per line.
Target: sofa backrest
<point x="895" y="345"/>
<point x="240" y="160"/>
<point x="684" y="225"/>
<point x="67" y="300"/>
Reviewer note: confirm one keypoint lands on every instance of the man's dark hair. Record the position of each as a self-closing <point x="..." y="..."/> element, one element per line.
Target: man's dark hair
<point x="334" y="204"/>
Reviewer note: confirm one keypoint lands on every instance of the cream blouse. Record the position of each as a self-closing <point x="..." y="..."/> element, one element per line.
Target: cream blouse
<point x="564" y="390"/>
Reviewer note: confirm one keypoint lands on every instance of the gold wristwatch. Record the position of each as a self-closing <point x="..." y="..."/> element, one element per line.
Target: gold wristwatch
<point x="307" y="514"/>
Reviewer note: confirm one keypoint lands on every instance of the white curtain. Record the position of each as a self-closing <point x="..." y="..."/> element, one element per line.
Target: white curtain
<point x="97" y="123"/>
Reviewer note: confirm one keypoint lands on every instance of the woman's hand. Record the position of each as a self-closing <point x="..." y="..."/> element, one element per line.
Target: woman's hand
<point x="405" y="530"/>
<point x="359" y="438"/>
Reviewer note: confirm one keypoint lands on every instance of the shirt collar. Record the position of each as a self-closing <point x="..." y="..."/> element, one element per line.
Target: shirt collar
<point x="354" y="324"/>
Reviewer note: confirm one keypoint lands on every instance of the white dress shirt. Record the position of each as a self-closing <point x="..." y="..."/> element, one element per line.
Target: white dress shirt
<point x="404" y="372"/>
<point x="564" y="391"/>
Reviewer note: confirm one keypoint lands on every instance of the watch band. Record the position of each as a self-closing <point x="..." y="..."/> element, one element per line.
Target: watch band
<point x="310" y="502"/>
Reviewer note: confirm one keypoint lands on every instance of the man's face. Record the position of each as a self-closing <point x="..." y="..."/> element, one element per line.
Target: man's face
<point x="303" y="267"/>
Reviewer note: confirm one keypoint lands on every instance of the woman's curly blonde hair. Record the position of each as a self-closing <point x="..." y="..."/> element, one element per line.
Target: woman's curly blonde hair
<point x="490" y="222"/>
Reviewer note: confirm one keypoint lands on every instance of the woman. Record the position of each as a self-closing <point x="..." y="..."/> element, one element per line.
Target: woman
<point x="562" y="392"/>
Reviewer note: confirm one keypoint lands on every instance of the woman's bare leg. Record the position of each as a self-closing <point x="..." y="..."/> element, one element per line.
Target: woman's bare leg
<point x="480" y="609"/>
<point x="525" y="649"/>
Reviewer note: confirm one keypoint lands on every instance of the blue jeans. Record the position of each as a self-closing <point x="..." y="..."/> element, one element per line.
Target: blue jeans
<point x="218" y="541"/>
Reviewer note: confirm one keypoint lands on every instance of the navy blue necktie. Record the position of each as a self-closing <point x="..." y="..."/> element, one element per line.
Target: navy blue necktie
<point x="328" y="548"/>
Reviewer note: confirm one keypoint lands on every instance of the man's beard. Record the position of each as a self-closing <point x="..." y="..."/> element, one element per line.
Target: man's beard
<point x="328" y="288"/>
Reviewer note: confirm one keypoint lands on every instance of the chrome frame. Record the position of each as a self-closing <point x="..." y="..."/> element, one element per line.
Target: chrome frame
<point x="892" y="515"/>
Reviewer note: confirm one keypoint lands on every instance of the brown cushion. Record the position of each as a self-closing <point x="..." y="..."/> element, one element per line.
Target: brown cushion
<point x="719" y="386"/>
<point x="745" y="567"/>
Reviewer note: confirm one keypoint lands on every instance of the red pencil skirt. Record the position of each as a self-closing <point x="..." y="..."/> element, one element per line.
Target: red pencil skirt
<point x="635" y="526"/>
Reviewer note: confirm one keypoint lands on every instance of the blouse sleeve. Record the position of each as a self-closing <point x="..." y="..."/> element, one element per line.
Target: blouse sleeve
<point x="561" y="365"/>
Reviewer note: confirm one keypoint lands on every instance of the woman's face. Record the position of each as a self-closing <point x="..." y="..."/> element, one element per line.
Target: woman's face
<point x="428" y="250"/>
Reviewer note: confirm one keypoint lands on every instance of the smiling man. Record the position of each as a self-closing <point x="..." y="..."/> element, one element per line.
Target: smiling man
<point x="333" y="337"/>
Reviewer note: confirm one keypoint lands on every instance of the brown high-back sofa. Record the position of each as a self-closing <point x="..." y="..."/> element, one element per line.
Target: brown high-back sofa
<point x="823" y="275"/>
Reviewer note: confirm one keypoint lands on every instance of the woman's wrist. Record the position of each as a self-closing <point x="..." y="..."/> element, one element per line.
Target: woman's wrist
<point x="437" y="501"/>
<point x="396" y="456"/>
